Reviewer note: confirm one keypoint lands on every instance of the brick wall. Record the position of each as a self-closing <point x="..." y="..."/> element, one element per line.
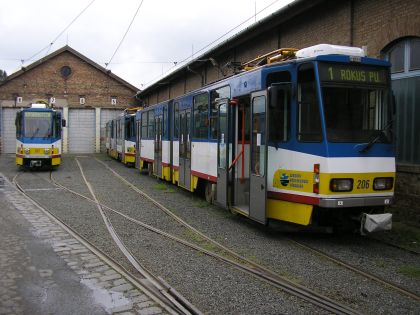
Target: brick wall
<point x="85" y="80"/>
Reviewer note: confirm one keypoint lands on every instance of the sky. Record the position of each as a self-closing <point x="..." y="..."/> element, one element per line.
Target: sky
<point x="163" y="33"/>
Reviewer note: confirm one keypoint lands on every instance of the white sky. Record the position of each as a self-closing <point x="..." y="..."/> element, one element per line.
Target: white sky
<point x="163" y="32"/>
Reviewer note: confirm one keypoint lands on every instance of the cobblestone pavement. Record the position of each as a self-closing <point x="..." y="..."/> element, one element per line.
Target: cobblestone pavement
<point x="44" y="270"/>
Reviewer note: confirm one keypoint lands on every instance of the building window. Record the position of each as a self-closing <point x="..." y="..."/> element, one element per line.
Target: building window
<point x="405" y="74"/>
<point x="65" y="72"/>
<point x="19" y="99"/>
<point x="113" y="100"/>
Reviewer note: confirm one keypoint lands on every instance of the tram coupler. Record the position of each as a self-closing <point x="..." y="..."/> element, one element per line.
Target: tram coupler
<point x="370" y="223"/>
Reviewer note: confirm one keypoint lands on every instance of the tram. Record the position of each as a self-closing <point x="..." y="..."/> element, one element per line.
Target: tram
<point x="121" y="137"/>
<point x="301" y="136"/>
<point x="38" y="136"/>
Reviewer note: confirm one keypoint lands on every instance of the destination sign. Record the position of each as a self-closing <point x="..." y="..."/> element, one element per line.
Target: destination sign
<point x="361" y="74"/>
<point x="38" y="115"/>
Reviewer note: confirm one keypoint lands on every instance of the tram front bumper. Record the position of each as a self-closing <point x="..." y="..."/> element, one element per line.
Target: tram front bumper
<point x="356" y="202"/>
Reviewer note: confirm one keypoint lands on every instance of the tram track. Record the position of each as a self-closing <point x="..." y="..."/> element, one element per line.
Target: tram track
<point x="153" y="285"/>
<point x="300" y="244"/>
<point x="236" y="260"/>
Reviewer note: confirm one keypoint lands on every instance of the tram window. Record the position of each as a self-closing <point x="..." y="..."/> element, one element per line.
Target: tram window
<point x="129" y="128"/>
<point x="150" y="124"/>
<point x="215" y="95"/>
<point x="165" y="123"/>
<point x="57" y="126"/>
<point x="258" y="136"/>
<point x="201" y="107"/>
<point x="176" y="120"/>
<point x="144" y="125"/>
<point x="18" y="123"/>
<point x="309" y="119"/>
<point x="279" y="118"/>
<point x="355" y="114"/>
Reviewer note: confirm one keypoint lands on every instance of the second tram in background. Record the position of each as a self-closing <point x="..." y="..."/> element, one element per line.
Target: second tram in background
<point x="38" y="136"/>
<point x="303" y="139"/>
<point x="121" y="137"/>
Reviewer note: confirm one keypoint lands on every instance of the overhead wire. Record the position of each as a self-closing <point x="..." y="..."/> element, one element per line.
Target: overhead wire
<point x="177" y="64"/>
<point x="59" y="35"/>
<point x="125" y="34"/>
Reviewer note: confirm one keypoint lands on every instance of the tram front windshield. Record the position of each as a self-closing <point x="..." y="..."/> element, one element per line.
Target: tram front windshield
<point x="356" y="103"/>
<point x="37" y="124"/>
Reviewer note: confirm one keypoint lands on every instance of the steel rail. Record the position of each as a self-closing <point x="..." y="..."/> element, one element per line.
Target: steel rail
<point x="127" y="253"/>
<point x="140" y="284"/>
<point x="356" y="270"/>
<point x="255" y="269"/>
<point x="365" y="274"/>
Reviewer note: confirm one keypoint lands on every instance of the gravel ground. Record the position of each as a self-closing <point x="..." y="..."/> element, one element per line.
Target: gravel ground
<point x="193" y="274"/>
<point x="230" y="291"/>
<point x="272" y="249"/>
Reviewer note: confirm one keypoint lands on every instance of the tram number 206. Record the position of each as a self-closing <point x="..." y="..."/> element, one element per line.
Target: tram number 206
<point x="363" y="184"/>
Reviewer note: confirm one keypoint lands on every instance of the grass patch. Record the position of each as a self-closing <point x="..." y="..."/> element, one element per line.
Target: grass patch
<point x="402" y="235"/>
<point x="201" y="204"/>
<point x="160" y="187"/>
<point x="381" y="263"/>
<point x="411" y="271"/>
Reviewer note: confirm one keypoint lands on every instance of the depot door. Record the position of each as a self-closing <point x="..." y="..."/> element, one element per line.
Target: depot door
<point x="157" y="167"/>
<point x="185" y="149"/>
<point x="258" y="177"/>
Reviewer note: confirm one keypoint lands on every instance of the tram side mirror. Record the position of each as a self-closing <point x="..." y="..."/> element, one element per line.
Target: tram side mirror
<point x="63" y="123"/>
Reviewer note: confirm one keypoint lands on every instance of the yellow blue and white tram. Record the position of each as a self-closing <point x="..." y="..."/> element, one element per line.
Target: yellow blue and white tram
<point x="38" y="136"/>
<point x="306" y="140"/>
<point x="121" y="137"/>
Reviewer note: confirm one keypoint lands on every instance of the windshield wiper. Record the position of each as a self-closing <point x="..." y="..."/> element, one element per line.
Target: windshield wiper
<point x="381" y="133"/>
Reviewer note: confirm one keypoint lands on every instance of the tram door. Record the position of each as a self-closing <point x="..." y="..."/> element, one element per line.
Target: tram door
<point x="185" y="149"/>
<point x="223" y="155"/>
<point x="258" y="175"/>
<point x="157" y="164"/>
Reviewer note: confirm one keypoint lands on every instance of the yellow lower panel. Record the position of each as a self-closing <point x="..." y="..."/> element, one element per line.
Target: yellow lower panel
<point x="129" y="159"/>
<point x="166" y="173"/>
<point x="289" y="211"/>
<point x="114" y="154"/>
<point x="19" y="161"/>
<point x="55" y="161"/>
<point x="194" y="182"/>
<point x="175" y="176"/>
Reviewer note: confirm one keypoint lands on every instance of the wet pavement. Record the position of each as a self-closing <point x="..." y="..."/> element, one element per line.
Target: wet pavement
<point x="44" y="270"/>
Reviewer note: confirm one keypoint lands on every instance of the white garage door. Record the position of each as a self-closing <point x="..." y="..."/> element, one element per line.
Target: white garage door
<point x="81" y="126"/>
<point x="107" y="115"/>
<point x="8" y="130"/>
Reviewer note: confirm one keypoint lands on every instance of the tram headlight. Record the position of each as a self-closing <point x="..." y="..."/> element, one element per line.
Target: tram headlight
<point x="47" y="151"/>
<point x="383" y="183"/>
<point x="341" y="184"/>
<point x="27" y="150"/>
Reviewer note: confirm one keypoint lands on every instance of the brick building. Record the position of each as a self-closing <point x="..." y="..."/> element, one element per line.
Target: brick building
<point x="86" y="93"/>
<point x="388" y="29"/>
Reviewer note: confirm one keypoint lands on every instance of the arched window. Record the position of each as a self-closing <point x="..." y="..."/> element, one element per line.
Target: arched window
<point x="404" y="55"/>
